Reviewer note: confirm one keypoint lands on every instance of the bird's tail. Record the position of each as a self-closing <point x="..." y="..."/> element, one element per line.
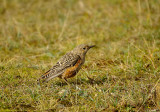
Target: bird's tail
<point x="44" y="76"/>
<point x="50" y="74"/>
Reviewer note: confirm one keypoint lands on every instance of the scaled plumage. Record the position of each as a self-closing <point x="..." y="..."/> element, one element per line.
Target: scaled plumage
<point x="67" y="66"/>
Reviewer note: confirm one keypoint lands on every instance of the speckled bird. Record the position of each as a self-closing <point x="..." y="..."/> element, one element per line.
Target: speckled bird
<point x="69" y="65"/>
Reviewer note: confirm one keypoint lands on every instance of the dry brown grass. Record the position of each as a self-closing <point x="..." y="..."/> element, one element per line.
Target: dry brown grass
<point x="123" y="70"/>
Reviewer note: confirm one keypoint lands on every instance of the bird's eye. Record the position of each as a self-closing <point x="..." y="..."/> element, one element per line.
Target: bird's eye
<point x="84" y="48"/>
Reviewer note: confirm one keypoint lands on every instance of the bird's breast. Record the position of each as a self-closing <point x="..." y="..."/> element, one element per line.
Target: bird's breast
<point x="72" y="71"/>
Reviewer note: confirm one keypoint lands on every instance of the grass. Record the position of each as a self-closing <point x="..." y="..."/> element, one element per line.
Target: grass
<point x="124" y="68"/>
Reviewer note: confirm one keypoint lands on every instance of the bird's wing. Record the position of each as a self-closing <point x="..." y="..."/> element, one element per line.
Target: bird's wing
<point x="58" y="69"/>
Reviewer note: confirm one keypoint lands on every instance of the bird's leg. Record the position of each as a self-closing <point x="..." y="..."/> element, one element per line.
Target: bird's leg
<point x="66" y="81"/>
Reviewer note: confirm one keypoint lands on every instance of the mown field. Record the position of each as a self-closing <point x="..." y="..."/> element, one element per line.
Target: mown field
<point x="121" y="74"/>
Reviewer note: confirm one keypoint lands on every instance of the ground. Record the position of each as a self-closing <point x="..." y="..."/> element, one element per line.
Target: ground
<point x="121" y="73"/>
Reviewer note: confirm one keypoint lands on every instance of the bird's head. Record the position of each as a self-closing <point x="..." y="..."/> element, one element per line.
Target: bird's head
<point x="82" y="49"/>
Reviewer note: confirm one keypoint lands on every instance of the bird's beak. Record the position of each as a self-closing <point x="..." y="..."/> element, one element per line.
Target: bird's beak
<point x="91" y="46"/>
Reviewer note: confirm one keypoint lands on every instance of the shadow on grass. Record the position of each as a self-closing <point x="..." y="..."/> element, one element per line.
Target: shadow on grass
<point x="90" y="81"/>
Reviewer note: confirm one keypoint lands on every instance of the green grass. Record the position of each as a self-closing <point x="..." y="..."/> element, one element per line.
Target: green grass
<point x="124" y="67"/>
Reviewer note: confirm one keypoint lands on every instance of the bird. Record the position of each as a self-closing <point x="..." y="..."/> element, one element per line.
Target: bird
<point x="68" y="65"/>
